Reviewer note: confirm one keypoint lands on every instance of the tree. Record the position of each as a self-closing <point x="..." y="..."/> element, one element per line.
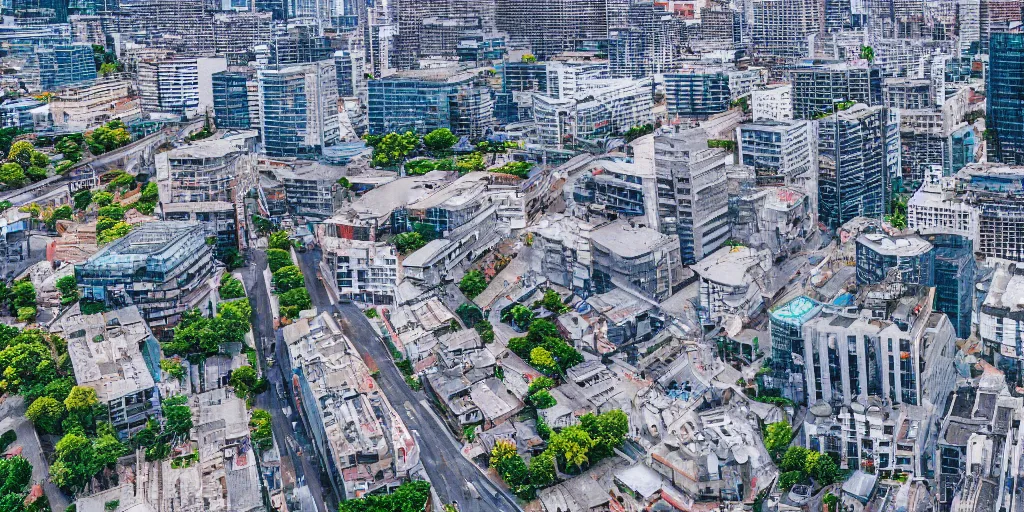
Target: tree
<point x="62" y="212"/>
<point x="82" y="199"/>
<point x="440" y="141"/>
<point x="231" y="288"/>
<point x="108" y="137"/>
<point x="69" y="148"/>
<point x="790" y="478"/>
<point x="22" y="295"/>
<point x="794" y="459"/>
<point x="521" y="316"/>
<point x="178" y="419"/>
<point x="108" y="449"/>
<point x="21" y="153"/>
<point x="293" y="301"/>
<point x="539" y="384"/>
<point x="344" y="183"/>
<point x="553" y="302"/>
<point x="393" y="148"/>
<point x="287" y="278"/>
<point x="472" y="283"/>
<point x="867" y="53"/>
<point x="473" y="162"/>
<point x="823" y="469"/>
<point x="608" y="430"/>
<point x="279" y="240"/>
<point x="542" y="360"/>
<point x="76" y="463"/>
<point x="173" y="367"/>
<point x="260" y="429"/>
<point x="542" y="399"/>
<point x="408" y="497"/>
<point x="114" y="232"/>
<point x="486" y="330"/>
<point x="46" y="414"/>
<point x="572" y="444"/>
<point x="12" y="175"/>
<point x="81" y="403"/>
<point x="35" y="174"/>
<point x="777" y="437"/>
<point x="409" y="242"/>
<point x="15" y="475"/>
<point x="103" y="198"/>
<point x="517" y="169"/>
<point x="107" y="68"/>
<point x="243" y="379"/>
<point x="502" y="450"/>
<point x="278" y="258"/>
<point x="542" y="469"/>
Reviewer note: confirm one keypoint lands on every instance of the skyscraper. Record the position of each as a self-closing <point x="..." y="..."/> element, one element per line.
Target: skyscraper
<point x="550" y="27"/>
<point x="299" y="108"/>
<point x="783" y="30"/>
<point x="693" y="196"/>
<point x="818" y="86"/>
<point x="858" y="155"/>
<point x="231" y="100"/>
<point x="1005" y="98"/>
<point x="65" y="65"/>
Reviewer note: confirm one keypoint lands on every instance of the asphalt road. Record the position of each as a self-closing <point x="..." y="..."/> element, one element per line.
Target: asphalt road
<point x="288" y="440"/>
<point x="453" y="477"/>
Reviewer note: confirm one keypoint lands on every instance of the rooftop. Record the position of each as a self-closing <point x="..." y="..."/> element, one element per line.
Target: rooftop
<point x="729" y="265"/>
<point x="628" y="241"/>
<point x="902" y="246"/>
<point x="798" y="310"/>
<point x="104" y="350"/>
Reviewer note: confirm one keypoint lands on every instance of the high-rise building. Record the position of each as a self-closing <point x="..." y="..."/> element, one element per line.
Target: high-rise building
<point x="1001" y="322"/>
<point x="433" y="28"/>
<point x="698" y="94"/>
<point x="911" y="257"/>
<point x="774" y="102"/>
<point x="299" y="108"/>
<point x="207" y="181"/>
<point x="1004" y="91"/>
<point x="549" y="27"/>
<point x="819" y="86"/>
<point x="178" y="86"/>
<point x="693" y="196"/>
<point x="644" y="46"/>
<point x="231" y="100"/>
<point x="996" y="16"/>
<point x="65" y="65"/>
<point x="997" y="194"/>
<point x="601" y="108"/>
<point x="858" y="155"/>
<point x="955" y="272"/>
<point x="424" y="100"/>
<point x="784" y="30"/>
<point x="781" y="153"/>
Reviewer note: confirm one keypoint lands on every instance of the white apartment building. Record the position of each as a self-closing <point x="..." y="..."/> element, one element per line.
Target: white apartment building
<point x="91" y="104"/>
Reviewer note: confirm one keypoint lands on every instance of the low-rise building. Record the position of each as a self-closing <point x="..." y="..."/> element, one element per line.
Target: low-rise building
<point x="360" y="440"/>
<point x="115" y="354"/>
<point x="163" y="268"/>
<point x="90" y="104"/>
<point x="733" y="283"/>
<point x="637" y="259"/>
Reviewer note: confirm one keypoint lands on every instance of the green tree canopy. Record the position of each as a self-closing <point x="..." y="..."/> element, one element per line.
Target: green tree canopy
<point x="777" y="436"/>
<point x="278" y="258"/>
<point x="279" y="240"/>
<point x="261" y="432"/>
<point x="243" y="379"/>
<point x="12" y="175"/>
<point x="231" y="288"/>
<point x="408" y="497"/>
<point x="472" y="283"/>
<point x="394" y="148"/>
<point x="75" y="463"/>
<point x="440" y="140"/>
<point x="46" y="414"/>
<point x="67" y="286"/>
<point x="287" y="278"/>
<point x="409" y="242"/>
<point x="573" y="445"/>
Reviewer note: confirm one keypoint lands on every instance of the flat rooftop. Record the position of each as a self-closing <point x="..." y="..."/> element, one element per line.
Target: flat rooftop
<point x="629" y="241"/>
<point x="902" y="246"/>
